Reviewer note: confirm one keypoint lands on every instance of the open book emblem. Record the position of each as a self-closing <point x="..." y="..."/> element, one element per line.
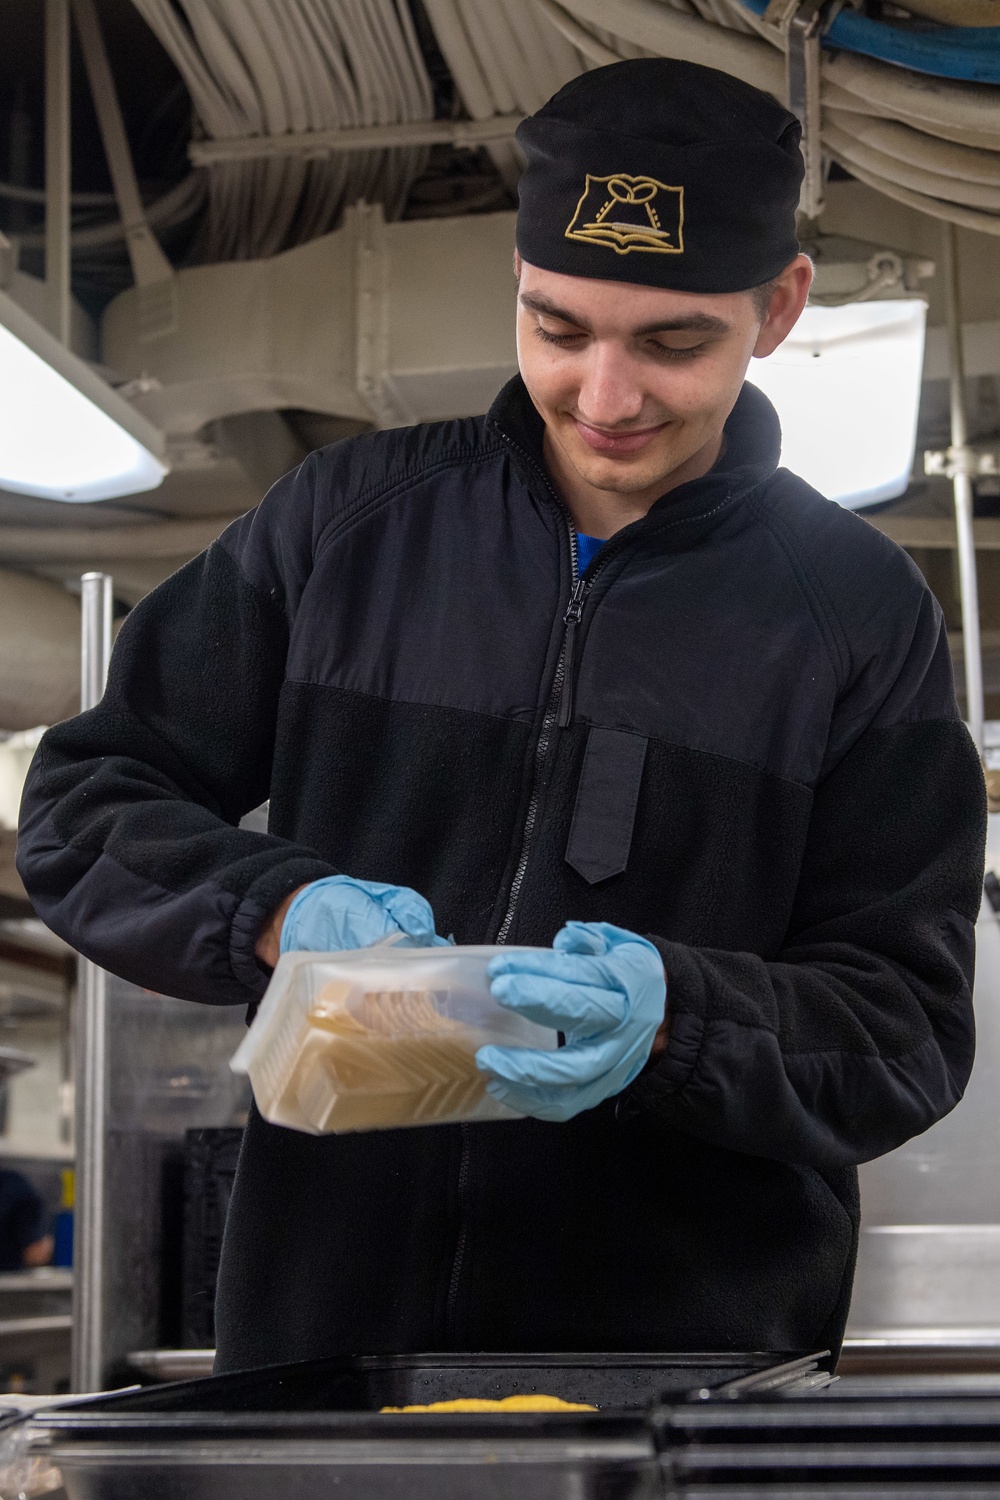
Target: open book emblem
<point x="630" y="213"/>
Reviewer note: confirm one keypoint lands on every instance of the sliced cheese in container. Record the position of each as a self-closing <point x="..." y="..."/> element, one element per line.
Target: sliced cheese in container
<point x="379" y="1038"/>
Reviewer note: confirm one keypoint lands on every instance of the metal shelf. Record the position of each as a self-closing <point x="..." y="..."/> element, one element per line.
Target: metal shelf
<point x="27" y="1149"/>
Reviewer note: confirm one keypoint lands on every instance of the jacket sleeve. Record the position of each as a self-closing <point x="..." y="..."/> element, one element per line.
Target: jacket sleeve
<point x="128" y="843"/>
<point x="859" y="1034"/>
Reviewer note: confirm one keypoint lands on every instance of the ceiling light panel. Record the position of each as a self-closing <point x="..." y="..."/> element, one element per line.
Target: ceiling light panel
<point x="65" y="434"/>
<point x="846" y="387"/>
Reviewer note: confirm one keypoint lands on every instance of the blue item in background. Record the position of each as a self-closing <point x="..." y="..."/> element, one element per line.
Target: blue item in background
<point x="62" y="1224"/>
<point x="62" y="1229"/>
<point x="968" y="52"/>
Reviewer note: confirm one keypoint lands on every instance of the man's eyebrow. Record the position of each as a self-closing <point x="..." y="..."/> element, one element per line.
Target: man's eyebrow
<point x="535" y="302"/>
<point x="696" y="322"/>
<point x="690" y="323"/>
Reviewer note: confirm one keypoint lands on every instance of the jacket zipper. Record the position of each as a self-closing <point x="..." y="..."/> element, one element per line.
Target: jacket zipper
<point x="571" y="620"/>
<point x="559" y="712"/>
<point x="552" y="714"/>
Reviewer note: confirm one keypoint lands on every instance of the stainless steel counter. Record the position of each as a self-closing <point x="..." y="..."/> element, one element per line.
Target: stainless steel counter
<point x="929" y="1257"/>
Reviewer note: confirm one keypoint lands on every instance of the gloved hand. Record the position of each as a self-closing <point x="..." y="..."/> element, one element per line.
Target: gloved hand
<point x="605" y="989"/>
<point x="338" y="912"/>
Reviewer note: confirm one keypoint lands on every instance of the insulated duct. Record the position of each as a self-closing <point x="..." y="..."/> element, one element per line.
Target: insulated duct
<point x="382" y="323"/>
<point x="86" y="547"/>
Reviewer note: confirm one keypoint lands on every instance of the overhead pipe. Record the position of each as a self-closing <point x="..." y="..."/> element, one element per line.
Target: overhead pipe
<point x="176" y="205"/>
<point x="847" y="147"/>
<point x="32" y="545"/>
<point x="313" y="143"/>
<point x="969" y="53"/>
<point x="915" y="148"/>
<point x="18" y="194"/>
<point x="935" y="208"/>
<point x="969" y="107"/>
<point x="578" y="36"/>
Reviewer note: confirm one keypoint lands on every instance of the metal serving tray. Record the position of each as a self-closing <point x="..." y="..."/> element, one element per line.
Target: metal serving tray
<point x="916" y="1438"/>
<point x="314" y="1430"/>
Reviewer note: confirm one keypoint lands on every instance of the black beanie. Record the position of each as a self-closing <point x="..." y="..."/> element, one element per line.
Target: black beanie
<point x="663" y="173"/>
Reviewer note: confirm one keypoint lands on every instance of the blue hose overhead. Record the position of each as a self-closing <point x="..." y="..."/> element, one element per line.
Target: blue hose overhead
<point x="971" y="53"/>
<point x="968" y="52"/>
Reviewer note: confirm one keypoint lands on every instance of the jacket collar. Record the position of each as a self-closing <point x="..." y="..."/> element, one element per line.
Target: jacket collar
<point x="748" y="459"/>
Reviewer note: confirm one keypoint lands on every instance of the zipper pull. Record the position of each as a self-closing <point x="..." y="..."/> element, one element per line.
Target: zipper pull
<point x="571" y="620"/>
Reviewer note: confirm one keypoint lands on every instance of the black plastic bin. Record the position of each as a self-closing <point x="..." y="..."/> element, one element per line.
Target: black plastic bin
<point x="301" y="1432"/>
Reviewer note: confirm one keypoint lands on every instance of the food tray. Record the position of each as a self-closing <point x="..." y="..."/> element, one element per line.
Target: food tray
<point x="313" y="1430"/>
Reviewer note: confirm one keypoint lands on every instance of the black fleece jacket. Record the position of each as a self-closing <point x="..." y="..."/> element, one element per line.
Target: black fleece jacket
<point x="743" y="744"/>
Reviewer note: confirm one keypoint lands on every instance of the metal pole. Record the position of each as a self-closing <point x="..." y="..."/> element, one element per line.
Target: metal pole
<point x="962" y="482"/>
<point x="91" y="1054"/>
<point x="57" y="168"/>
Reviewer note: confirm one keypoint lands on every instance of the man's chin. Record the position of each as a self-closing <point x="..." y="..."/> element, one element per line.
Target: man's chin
<point x="619" y="477"/>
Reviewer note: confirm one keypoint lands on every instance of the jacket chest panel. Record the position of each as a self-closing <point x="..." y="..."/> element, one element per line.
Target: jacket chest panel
<point x="448" y="598"/>
<point x="714" y="652"/>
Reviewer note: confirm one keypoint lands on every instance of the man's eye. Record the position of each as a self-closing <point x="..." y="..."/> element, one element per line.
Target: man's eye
<point x="562" y="339"/>
<point x="668" y="352"/>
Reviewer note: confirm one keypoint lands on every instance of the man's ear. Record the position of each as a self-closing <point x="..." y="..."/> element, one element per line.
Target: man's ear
<point x="791" y="290"/>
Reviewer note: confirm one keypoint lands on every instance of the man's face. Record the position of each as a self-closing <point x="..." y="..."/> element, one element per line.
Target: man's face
<point x="634" y="383"/>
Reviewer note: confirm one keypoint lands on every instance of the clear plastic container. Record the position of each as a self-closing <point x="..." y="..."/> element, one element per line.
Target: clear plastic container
<point x="378" y="1038"/>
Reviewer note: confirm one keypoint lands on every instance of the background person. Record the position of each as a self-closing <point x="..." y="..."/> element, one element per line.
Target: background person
<point x="24" y="1240"/>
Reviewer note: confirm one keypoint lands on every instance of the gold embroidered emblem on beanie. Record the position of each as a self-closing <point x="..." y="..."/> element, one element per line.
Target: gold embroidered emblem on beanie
<point x="626" y="213"/>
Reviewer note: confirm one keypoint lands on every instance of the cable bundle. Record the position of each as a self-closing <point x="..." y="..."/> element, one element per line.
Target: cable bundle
<point x="504" y="58"/>
<point x="262" y="69"/>
<point x="929" y="142"/>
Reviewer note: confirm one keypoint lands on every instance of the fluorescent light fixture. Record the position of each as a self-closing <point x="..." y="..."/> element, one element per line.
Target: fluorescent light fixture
<point x="846" y="387"/>
<point x="64" y="433"/>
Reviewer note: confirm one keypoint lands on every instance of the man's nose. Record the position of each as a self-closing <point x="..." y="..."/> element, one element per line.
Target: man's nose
<point x="610" y="395"/>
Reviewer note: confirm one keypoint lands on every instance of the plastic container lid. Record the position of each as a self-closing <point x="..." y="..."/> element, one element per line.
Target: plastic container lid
<point x="378" y="1038"/>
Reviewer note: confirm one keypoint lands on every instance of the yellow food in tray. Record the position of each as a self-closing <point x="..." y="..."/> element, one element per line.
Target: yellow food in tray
<point x="509" y="1403"/>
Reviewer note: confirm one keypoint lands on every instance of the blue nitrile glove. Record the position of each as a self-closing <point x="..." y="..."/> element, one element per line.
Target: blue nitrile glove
<point x="338" y="912"/>
<point x="606" y="990"/>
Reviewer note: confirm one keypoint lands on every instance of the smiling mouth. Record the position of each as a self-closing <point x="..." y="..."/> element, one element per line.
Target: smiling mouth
<point x="617" y="443"/>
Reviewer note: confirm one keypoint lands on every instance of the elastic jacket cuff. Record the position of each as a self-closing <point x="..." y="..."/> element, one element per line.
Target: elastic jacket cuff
<point x="255" y="910"/>
<point x="685" y="1034"/>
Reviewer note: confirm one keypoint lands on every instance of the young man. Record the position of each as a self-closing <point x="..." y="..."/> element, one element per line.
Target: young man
<point x="588" y="672"/>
